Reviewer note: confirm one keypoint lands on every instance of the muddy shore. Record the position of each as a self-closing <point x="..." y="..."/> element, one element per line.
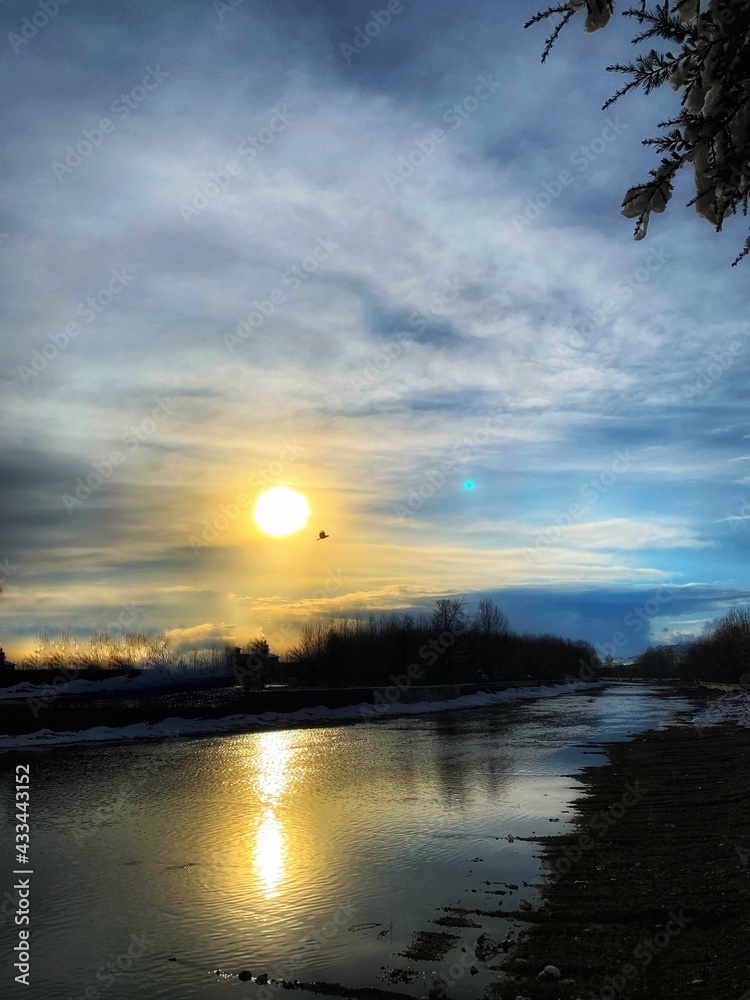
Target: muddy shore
<point x="648" y="896"/>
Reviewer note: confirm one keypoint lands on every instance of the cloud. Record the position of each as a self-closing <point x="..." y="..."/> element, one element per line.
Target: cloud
<point x="623" y="533"/>
<point x="351" y="603"/>
<point x="206" y="634"/>
<point x="450" y="285"/>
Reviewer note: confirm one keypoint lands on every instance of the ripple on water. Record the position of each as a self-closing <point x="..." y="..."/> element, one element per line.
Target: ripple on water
<point x="261" y="850"/>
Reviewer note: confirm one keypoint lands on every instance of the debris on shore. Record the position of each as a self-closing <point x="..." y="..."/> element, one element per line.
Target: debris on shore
<point x="429" y="946"/>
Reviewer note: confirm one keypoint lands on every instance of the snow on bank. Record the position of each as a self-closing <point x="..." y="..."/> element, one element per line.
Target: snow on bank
<point x="728" y="708"/>
<point x="177" y="727"/>
<point x="150" y="679"/>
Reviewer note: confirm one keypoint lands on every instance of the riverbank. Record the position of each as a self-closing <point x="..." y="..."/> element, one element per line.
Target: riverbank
<point x="648" y="895"/>
<point x="174" y="716"/>
<point x="163" y="713"/>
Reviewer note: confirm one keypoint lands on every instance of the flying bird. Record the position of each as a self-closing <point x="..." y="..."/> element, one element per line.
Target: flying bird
<point x="321" y="536"/>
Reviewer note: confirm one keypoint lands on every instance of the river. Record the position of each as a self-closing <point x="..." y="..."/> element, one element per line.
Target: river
<point x="303" y="853"/>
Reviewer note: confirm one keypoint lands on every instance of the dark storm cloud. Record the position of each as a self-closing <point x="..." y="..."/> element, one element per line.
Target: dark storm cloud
<point x="618" y="622"/>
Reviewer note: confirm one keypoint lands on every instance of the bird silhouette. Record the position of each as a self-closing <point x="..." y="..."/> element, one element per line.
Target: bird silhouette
<point x="321" y="536"/>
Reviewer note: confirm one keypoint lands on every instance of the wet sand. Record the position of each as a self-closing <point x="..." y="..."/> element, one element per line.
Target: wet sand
<point x="649" y="895"/>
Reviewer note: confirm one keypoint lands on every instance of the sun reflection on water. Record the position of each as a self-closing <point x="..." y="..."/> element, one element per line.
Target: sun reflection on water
<point x="269" y="853"/>
<point x="270" y="777"/>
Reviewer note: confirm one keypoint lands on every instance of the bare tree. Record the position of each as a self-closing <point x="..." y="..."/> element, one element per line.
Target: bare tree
<point x="259" y="646"/>
<point x="449" y="619"/>
<point x="450" y="615"/>
<point x="730" y="638"/>
<point x="311" y="642"/>
<point x="489" y="620"/>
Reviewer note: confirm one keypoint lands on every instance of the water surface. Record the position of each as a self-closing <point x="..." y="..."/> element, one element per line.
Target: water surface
<point x="268" y="851"/>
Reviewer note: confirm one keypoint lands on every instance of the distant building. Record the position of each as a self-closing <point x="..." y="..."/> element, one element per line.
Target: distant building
<point x="255" y="670"/>
<point x="5" y="664"/>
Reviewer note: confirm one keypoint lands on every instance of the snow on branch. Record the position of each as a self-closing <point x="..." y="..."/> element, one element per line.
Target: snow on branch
<point x="708" y="62"/>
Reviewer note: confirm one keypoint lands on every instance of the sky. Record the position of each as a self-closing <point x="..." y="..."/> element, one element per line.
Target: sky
<point x="371" y="253"/>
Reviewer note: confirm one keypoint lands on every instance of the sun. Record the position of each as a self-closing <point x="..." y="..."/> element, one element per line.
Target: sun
<point x="280" y="511"/>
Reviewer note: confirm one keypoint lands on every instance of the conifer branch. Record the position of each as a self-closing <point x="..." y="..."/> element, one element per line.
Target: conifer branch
<point x="709" y="68"/>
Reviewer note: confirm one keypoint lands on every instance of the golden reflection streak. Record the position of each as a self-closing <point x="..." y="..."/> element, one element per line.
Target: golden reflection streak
<point x="270" y="780"/>
<point x="269" y="853"/>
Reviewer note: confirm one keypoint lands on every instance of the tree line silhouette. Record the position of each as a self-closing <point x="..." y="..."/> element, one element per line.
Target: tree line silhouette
<point x="721" y="654"/>
<point x="447" y="647"/>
